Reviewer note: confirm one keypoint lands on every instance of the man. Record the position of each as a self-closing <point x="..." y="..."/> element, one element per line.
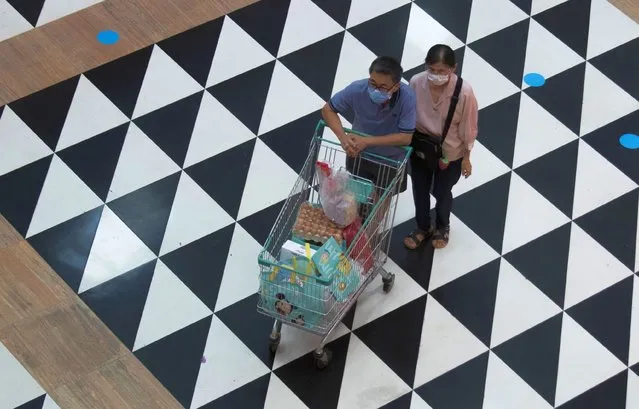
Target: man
<point x="381" y="106"/>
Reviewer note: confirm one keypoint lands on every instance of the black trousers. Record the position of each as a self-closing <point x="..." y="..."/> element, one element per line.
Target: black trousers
<point x="441" y="183"/>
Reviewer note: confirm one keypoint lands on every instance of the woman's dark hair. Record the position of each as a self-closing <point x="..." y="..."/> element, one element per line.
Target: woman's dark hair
<point x="388" y="66"/>
<point x="441" y="53"/>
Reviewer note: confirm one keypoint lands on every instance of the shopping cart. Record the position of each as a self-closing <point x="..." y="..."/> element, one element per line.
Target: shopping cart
<point x="295" y="296"/>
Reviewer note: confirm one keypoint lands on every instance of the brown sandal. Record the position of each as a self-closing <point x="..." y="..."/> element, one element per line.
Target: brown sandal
<point x="417" y="238"/>
<point x="441" y="235"/>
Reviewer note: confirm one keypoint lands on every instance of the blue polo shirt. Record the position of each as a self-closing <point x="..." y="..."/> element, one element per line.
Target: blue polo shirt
<point x="395" y="116"/>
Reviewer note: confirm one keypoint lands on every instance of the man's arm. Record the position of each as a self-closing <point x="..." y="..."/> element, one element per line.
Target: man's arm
<point x="333" y="122"/>
<point x="395" y="139"/>
<point x="340" y="102"/>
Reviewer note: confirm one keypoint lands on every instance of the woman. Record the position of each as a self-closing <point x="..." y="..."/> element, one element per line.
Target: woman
<point x="446" y="105"/>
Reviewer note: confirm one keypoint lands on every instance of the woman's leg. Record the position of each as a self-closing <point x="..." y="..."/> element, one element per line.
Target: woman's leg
<point x="422" y="178"/>
<point x="444" y="180"/>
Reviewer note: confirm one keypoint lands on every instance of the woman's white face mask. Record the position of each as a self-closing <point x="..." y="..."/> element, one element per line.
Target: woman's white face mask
<point x="437" y="79"/>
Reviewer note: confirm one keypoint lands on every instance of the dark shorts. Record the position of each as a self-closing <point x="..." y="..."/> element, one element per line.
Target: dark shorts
<point x="380" y="175"/>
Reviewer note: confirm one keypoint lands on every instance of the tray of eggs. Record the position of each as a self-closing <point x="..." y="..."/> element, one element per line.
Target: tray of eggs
<point x="313" y="225"/>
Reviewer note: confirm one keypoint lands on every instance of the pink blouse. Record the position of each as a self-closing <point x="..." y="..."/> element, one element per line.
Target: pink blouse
<point x="431" y="117"/>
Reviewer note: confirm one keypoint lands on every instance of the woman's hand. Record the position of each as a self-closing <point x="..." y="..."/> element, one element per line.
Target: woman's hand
<point x="467" y="167"/>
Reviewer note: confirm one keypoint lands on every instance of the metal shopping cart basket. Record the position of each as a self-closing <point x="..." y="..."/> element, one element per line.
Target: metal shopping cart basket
<point x="296" y="295"/>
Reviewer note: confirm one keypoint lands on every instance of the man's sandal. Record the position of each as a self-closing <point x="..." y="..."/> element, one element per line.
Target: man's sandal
<point x="416" y="238"/>
<point x="441" y="237"/>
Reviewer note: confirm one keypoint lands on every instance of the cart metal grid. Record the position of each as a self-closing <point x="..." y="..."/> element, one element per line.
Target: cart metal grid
<point x="306" y="301"/>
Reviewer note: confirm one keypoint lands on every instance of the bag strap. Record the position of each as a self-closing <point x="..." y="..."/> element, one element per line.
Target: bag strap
<point x="453" y="105"/>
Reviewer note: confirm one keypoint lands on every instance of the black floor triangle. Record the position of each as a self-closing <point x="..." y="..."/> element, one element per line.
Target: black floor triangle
<point x="146" y="211"/>
<point x="402" y="402"/>
<point x="193" y="49"/>
<point x="316" y="64"/>
<point x="36" y="403"/>
<point x="393" y="24"/>
<point x="418" y="263"/>
<point x="287" y="148"/>
<point x="514" y="39"/>
<point x="29" y="9"/>
<point x="624" y="159"/>
<point x="317" y="389"/>
<point x="260" y="224"/>
<point x="498" y="127"/>
<point x="408" y="74"/>
<point x="553" y="175"/>
<point x="171" y="126"/>
<point x="525" y="5"/>
<point x="471" y="299"/>
<point x="614" y="226"/>
<point x="575" y="34"/>
<point x="66" y="247"/>
<point x="119" y="302"/>
<point x="562" y="96"/>
<point x="380" y="336"/>
<point x="95" y="160"/>
<point x="46" y="111"/>
<point x="207" y="254"/>
<point x="264" y="21"/>
<point x="234" y="164"/>
<point x="606" y="315"/>
<point x="544" y="262"/>
<point x="233" y="93"/>
<point x="250" y="396"/>
<point x="175" y="359"/>
<point x="454" y="15"/>
<point x="610" y="394"/>
<point x="25" y="185"/>
<point x="534" y="355"/>
<point x="252" y="328"/>
<point x="492" y="198"/>
<point x="462" y="387"/>
<point x="121" y="80"/>
<point x="635" y="368"/>
<point x="337" y="9"/>
<point x="616" y="65"/>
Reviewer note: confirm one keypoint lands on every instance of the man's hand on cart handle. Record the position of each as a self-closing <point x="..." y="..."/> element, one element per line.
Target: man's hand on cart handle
<point x="350" y="144"/>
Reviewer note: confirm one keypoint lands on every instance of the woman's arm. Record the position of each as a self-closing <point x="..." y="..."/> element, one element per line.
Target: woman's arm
<point x="468" y="127"/>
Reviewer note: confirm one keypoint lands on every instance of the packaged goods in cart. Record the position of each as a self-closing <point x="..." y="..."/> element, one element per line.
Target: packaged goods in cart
<point x="298" y="257"/>
<point x="346" y="281"/>
<point x="331" y="261"/>
<point x="329" y="258"/>
<point x="294" y="297"/>
<point x="338" y="202"/>
<point x="361" y="251"/>
<point x="313" y="225"/>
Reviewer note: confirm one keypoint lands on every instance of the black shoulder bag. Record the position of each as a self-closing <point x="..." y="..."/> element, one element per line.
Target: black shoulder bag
<point x="429" y="148"/>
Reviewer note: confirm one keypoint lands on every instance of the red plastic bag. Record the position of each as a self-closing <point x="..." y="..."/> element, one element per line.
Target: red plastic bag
<point x="362" y="251"/>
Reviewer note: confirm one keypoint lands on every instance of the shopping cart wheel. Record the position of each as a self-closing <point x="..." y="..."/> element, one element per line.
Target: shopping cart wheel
<point x="388" y="282"/>
<point x="322" y="358"/>
<point x="274" y="342"/>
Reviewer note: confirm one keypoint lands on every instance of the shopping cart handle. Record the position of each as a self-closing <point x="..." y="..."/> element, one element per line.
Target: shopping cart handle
<point x="322" y="124"/>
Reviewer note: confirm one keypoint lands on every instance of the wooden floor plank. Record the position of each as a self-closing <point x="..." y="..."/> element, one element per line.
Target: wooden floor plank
<point x="66" y="47"/>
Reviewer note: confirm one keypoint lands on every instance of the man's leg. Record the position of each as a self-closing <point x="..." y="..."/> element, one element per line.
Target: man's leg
<point x="444" y="181"/>
<point x="422" y="178"/>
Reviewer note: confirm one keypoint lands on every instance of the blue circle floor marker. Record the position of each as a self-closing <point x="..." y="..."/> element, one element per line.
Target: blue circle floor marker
<point x="534" y="79"/>
<point x="108" y="37"/>
<point x="629" y="141"/>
